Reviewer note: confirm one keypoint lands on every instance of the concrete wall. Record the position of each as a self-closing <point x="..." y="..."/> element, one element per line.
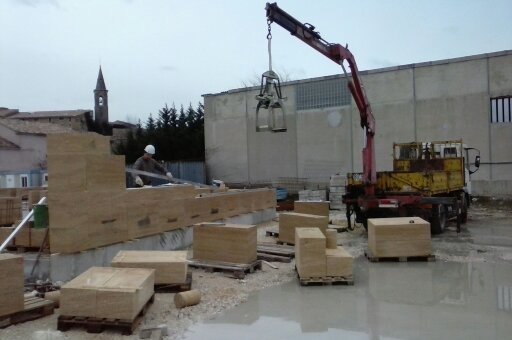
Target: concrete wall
<point x="29" y="159"/>
<point x="77" y="123"/>
<point x="441" y="100"/>
<point x="31" y="155"/>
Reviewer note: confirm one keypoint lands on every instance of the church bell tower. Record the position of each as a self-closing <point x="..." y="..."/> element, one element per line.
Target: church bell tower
<point x="100" y="102"/>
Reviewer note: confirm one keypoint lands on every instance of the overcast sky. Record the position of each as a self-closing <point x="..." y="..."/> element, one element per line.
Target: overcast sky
<point x="154" y="52"/>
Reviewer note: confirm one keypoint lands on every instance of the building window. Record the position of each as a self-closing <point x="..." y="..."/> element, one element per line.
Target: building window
<point x="501" y="109"/>
<point x="100" y="101"/>
<point x="322" y="93"/>
<point x="24" y="181"/>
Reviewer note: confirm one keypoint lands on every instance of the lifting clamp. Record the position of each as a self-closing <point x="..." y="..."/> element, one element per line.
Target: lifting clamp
<point x="270" y="97"/>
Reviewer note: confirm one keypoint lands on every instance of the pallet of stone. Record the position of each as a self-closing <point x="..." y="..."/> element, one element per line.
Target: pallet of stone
<point x="108" y="293"/>
<point x="170" y="266"/>
<point x="423" y="258"/>
<point x="237" y="270"/>
<point x="310" y="255"/>
<point x="289" y="222"/>
<point x="174" y="287"/>
<point x="223" y="242"/>
<point x="98" y="325"/>
<point x="399" y="237"/>
<point x="34" y="308"/>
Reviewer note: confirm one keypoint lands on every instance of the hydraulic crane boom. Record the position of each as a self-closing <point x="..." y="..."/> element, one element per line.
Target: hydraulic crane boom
<point x="338" y="54"/>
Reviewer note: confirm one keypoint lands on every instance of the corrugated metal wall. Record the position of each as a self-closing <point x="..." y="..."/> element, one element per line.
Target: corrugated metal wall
<point x="187" y="170"/>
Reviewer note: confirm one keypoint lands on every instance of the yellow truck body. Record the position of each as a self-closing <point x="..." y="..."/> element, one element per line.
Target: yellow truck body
<point x="435" y="168"/>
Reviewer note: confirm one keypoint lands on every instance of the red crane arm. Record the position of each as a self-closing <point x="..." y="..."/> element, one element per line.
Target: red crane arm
<point x="338" y="54"/>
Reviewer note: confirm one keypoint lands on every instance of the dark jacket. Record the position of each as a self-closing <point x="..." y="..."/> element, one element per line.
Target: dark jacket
<point x="149" y="165"/>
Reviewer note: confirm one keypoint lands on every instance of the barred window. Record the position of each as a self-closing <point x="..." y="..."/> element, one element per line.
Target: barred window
<point x="322" y="93"/>
<point x="501" y="111"/>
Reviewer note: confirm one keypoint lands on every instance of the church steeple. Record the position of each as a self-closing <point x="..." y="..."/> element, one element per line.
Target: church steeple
<point x="100" y="83"/>
<point x="101" y="102"/>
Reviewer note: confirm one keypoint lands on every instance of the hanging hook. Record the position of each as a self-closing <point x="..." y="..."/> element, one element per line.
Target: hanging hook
<point x="270" y="97"/>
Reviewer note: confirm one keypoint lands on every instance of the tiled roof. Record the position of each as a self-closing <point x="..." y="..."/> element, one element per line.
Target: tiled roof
<point x="50" y="114"/>
<point x="33" y="128"/>
<point x="118" y="123"/>
<point x="7" y="145"/>
<point x="5" y="112"/>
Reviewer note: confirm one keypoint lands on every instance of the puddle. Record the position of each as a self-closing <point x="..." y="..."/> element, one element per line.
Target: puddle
<point x="414" y="300"/>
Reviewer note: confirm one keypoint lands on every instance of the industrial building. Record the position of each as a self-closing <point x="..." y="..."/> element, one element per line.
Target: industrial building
<point x="466" y="98"/>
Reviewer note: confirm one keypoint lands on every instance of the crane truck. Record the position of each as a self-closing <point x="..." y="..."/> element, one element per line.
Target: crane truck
<point x="429" y="179"/>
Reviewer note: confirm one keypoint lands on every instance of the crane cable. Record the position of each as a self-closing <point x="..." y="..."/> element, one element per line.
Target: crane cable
<point x="269" y="38"/>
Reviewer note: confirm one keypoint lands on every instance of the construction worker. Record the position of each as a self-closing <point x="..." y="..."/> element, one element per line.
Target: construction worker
<point x="147" y="163"/>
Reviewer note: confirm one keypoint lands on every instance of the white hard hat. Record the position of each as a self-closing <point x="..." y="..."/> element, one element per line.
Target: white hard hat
<point x="150" y="149"/>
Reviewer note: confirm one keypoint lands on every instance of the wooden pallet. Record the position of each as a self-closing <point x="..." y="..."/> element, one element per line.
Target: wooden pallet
<point x="98" y="325"/>
<point x="274" y="258"/>
<point x="326" y="280"/>
<point x="34" y="308"/>
<point x="426" y="258"/>
<point x="238" y="271"/>
<point x="175" y="287"/>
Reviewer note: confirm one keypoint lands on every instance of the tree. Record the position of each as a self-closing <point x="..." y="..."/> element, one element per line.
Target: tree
<point x="150" y="125"/>
<point x="177" y="135"/>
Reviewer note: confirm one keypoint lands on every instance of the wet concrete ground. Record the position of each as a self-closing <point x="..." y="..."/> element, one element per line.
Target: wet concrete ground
<point x="465" y="294"/>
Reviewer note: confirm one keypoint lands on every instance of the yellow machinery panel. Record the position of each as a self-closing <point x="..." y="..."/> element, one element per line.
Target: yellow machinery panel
<point x="432" y="183"/>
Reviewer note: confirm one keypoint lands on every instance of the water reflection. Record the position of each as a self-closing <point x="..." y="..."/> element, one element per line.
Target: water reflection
<point x="438" y="300"/>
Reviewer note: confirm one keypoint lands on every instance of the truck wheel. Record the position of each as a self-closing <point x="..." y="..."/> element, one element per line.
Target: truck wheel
<point x="438" y="219"/>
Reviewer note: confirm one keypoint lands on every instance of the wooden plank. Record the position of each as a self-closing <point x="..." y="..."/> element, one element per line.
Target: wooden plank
<point x="11" y="284"/>
<point x="170" y="266"/>
<point x="117" y="293"/>
<point x="288" y="222"/>
<point x="234" y="243"/>
<point x="175" y="287"/>
<point x="33" y="308"/>
<point x="399" y="237"/>
<point x="310" y="257"/>
<point x="276" y="249"/>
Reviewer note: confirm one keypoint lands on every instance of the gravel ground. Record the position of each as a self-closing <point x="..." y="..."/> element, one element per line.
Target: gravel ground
<point x="487" y="237"/>
<point x="219" y="292"/>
